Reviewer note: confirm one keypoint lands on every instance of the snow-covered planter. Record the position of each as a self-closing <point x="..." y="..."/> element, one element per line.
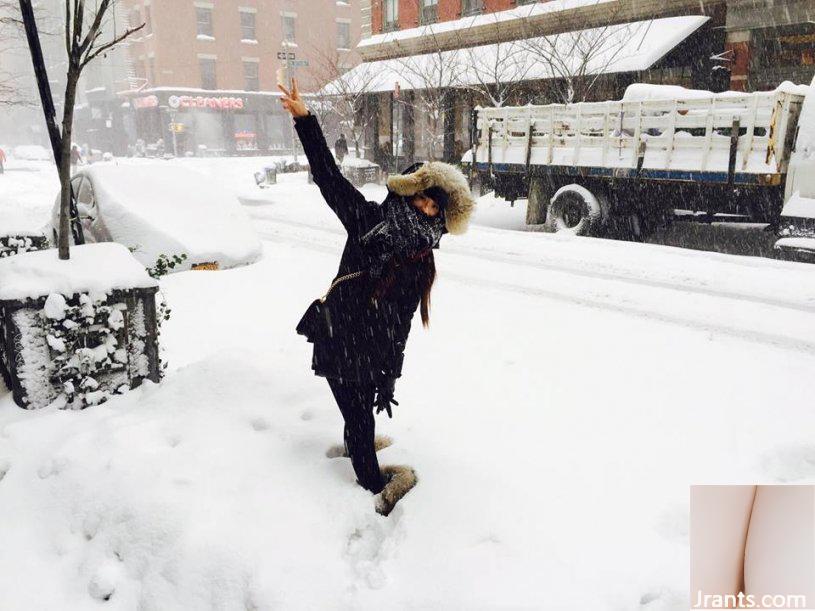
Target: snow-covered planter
<point x="361" y="171"/>
<point x="20" y="243"/>
<point x="76" y="332"/>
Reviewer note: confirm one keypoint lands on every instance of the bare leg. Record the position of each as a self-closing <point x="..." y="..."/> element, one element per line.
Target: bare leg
<point x="720" y="516"/>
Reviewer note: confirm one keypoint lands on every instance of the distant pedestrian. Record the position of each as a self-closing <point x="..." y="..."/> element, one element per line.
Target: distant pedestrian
<point x="360" y="327"/>
<point x="76" y="157"/>
<point x="341" y="148"/>
<point x="2" y="161"/>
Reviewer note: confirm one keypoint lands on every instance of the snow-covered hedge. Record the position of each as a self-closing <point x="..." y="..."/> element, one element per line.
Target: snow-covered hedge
<point x="76" y="332"/>
<point x="17" y="244"/>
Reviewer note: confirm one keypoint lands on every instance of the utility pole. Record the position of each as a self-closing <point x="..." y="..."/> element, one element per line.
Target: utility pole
<point x="289" y="56"/>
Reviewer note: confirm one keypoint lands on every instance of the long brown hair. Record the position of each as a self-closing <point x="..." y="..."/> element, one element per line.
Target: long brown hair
<point x="425" y="277"/>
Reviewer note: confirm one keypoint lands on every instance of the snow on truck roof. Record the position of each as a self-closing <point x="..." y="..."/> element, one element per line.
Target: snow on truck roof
<point x="91" y="268"/>
<point x="627" y="47"/>
<point x="166" y="208"/>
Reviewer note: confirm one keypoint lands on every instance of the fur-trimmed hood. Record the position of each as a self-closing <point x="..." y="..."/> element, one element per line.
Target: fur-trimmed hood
<point x="447" y="177"/>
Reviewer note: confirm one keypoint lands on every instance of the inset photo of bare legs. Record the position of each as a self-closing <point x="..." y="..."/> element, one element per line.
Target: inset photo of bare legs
<point x="752" y="547"/>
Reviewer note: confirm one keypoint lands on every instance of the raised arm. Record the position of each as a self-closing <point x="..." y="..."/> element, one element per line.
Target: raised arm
<point x="354" y="211"/>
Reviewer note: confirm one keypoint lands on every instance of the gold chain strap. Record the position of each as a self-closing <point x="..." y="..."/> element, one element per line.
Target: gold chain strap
<point x="338" y="281"/>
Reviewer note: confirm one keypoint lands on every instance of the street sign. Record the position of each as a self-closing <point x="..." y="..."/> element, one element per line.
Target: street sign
<point x="286" y="55"/>
<point x="299" y="63"/>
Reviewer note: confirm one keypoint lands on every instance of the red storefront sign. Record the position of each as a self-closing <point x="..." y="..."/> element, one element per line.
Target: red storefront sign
<point x="212" y="103"/>
<point x="149" y="101"/>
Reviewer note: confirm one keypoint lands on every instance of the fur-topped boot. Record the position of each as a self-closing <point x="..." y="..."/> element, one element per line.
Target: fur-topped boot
<point x="340" y="451"/>
<point x="400" y="480"/>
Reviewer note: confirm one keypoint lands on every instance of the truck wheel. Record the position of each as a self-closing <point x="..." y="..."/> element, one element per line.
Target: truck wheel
<point x="576" y="210"/>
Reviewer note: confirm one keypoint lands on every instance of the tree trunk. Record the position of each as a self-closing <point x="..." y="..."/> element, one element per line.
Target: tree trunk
<point x="64" y="165"/>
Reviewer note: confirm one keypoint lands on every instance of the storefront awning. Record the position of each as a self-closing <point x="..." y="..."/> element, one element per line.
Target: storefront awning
<point x="630" y="47"/>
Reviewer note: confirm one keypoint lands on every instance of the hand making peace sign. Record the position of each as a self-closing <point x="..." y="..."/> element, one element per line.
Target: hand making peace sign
<point x="291" y="100"/>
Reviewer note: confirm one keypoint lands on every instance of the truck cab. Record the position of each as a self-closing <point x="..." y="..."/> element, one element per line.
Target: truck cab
<point x="797" y="227"/>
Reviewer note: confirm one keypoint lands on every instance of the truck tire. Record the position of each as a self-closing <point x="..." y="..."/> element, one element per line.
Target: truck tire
<point x="576" y="210"/>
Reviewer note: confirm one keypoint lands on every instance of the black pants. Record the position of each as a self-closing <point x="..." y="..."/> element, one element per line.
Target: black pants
<point x="356" y="402"/>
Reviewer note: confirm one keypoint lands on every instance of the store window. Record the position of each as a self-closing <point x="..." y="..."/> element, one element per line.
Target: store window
<point x="289" y="28"/>
<point x="203" y="17"/>
<point x="251" y="76"/>
<point x="248" y="26"/>
<point x="343" y="35"/>
<point x="208" y="80"/>
<point x="391" y="15"/>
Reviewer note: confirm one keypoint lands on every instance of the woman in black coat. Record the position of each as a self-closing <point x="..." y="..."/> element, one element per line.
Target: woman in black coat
<point x="360" y="327"/>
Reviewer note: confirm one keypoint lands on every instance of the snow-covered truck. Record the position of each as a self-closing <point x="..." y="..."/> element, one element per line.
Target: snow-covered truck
<point x="619" y="168"/>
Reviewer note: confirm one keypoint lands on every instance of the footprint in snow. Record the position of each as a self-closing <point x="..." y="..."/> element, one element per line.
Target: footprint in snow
<point x="173" y="440"/>
<point x="664" y="599"/>
<point x="260" y="424"/>
<point x="307" y="415"/>
<point x="4" y="468"/>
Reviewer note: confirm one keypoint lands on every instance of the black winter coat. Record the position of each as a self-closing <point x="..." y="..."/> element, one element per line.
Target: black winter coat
<point x="359" y="338"/>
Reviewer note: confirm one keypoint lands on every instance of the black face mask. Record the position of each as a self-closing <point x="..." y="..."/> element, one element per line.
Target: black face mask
<point x="406" y="232"/>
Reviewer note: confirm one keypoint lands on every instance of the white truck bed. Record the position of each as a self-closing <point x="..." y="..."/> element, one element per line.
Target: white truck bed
<point x="671" y="139"/>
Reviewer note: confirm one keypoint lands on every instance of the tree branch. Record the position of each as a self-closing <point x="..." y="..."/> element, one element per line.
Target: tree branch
<point x="94" y="53"/>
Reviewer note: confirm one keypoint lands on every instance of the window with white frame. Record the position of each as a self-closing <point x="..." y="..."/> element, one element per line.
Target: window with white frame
<point x="248" y="30"/>
<point x="203" y="19"/>
<point x="208" y="79"/>
<point x="429" y="12"/>
<point x="289" y="28"/>
<point x="391" y="14"/>
<point x="251" y="75"/>
<point x="343" y="35"/>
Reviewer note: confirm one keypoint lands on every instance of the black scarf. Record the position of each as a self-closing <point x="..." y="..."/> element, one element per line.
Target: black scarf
<point x="405" y="232"/>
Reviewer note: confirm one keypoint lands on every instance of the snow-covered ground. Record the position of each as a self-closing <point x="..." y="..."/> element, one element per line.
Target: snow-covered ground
<point x="568" y="393"/>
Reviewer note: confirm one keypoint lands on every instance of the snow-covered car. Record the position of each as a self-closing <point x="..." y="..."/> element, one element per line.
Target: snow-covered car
<point x="797" y="227"/>
<point x="32" y="152"/>
<point x="160" y="209"/>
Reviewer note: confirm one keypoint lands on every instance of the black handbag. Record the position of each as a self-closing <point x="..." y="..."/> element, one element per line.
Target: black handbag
<point x="316" y="322"/>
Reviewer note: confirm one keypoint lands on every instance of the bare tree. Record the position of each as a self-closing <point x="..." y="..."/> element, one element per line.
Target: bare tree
<point x="11" y="27"/>
<point x="343" y="92"/>
<point x="433" y="77"/>
<point x="497" y="73"/>
<point x="85" y="40"/>
<point x="577" y="60"/>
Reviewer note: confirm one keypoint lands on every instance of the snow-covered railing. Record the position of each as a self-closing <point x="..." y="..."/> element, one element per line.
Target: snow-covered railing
<point x="678" y="134"/>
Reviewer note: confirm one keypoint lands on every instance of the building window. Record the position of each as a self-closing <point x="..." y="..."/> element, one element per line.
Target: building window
<point x="471" y="7"/>
<point x="203" y="17"/>
<point x="148" y="20"/>
<point x="525" y="1"/>
<point x="134" y="18"/>
<point x="288" y="28"/>
<point x="250" y="76"/>
<point x="208" y="80"/>
<point x="248" y="26"/>
<point x="391" y="15"/>
<point x="429" y="11"/>
<point x="343" y="35"/>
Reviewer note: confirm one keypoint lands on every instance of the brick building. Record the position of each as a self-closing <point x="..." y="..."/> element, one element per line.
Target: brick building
<point x="202" y="74"/>
<point x="710" y="44"/>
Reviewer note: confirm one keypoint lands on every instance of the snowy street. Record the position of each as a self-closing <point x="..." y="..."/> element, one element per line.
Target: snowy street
<point x="568" y="392"/>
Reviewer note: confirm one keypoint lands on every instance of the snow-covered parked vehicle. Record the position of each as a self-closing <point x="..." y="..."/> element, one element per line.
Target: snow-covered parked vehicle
<point x="620" y="168"/>
<point x="797" y="229"/>
<point x="162" y="209"/>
